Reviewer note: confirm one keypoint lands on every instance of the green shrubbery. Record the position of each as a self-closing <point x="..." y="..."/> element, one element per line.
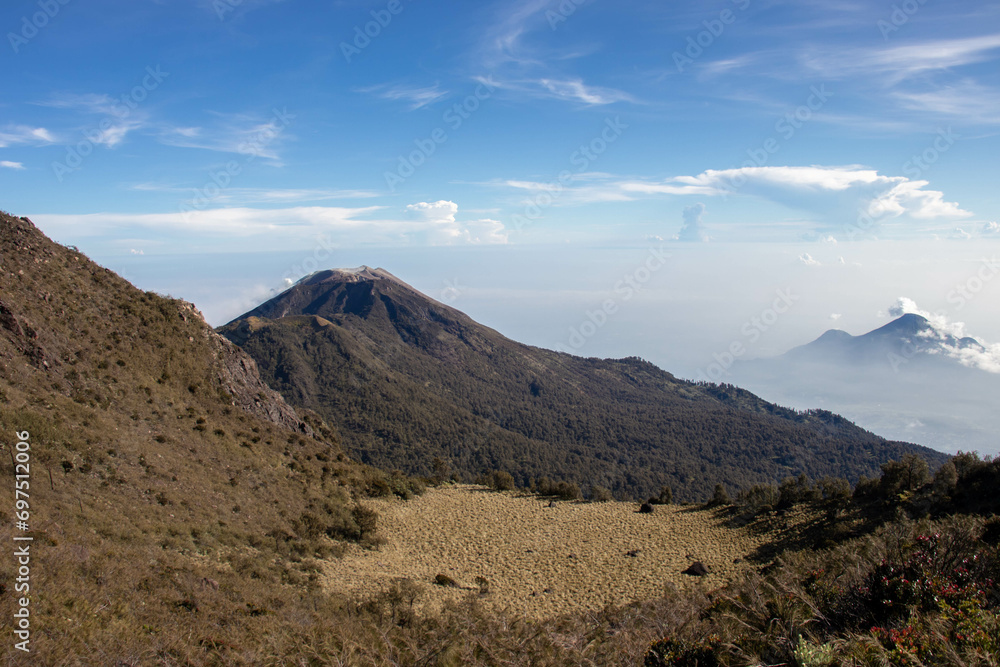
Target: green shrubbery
<point x="562" y="489"/>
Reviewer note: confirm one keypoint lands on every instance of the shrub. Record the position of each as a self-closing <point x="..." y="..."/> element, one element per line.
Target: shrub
<point x="758" y="498"/>
<point x="797" y="490"/>
<point x="500" y="481"/>
<point x="676" y="653"/>
<point x="366" y="519"/>
<point x="598" y="494"/>
<point x="446" y="581"/>
<point x="813" y="655"/>
<point x="567" y="491"/>
<point x="720" y="497"/>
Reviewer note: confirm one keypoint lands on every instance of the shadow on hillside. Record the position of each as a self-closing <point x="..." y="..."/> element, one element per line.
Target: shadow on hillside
<point x="813" y="526"/>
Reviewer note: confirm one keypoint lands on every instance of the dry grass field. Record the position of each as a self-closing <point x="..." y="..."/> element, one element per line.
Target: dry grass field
<point x="542" y="561"/>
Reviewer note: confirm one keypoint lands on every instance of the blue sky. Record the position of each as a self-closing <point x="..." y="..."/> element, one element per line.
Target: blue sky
<point x="532" y="152"/>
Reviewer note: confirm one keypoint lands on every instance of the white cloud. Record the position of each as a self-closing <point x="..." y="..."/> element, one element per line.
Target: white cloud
<point x="966" y="100"/>
<point x="808" y="260"/>
<point x="985" y="357"/>
<point x="990" y="228"/>
<point x="7" y="164"/>
<point x="24" y="134"/>
<point x="118" y="119"/>
<point x="415" y="97"/>
<point x="693" y="230"/>
<point x="960" y="234"/>
<point x="584" y="188"/>
<point x="896" y="63"/>
<point x="833" y="195"/>
<point x="242" y="196"/>
<point x="440" y="226"/>
<point x="283" y="228"/>
<point x="244" y="134"/>
<point x="575" y="89"/>
<point x="835" y="316"/>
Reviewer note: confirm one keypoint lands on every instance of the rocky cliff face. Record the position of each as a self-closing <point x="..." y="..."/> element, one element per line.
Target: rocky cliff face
<point x="64" y="322"/>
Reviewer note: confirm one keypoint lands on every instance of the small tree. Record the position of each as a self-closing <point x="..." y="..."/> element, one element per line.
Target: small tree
<point x="501" y="481"/>
<point x="441" y="470"/>
<point x="598" y="494"/>
<point x="720" y="497"/>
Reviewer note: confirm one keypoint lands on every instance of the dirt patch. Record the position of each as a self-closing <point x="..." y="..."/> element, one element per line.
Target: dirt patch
<point x="541" y="560"/>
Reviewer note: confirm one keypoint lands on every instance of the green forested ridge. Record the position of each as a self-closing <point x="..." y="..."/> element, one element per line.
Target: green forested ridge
<point x="406" y="379"/>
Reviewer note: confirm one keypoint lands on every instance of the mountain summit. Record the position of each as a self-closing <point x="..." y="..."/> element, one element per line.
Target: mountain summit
<point x="911" y="379"/>
<point x="408" y="380"/>
<point x="349" y="291"/>
<point x="905" y="338"/>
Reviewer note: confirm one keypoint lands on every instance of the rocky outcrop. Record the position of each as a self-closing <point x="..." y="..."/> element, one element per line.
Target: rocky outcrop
<point x="240" y="378"/>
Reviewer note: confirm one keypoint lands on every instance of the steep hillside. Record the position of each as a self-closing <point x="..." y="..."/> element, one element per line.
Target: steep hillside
<point x="176" y="502"/>
<point x="407" y="379"/>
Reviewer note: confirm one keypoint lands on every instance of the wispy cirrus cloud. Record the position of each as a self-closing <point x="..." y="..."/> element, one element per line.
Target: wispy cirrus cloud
<point x="243" y="196"/>
<point x="536" y="68"/>
<point x="424" y="223"/>
<point x="567" y="90"/>
<point x="415" y="97"/>
<point x="576" y="90"/>
<point x="12" y="135"/>
<point x="245" y="134"/>
<point x="966" y="99"/>
<point x="117" y="119"/>
<point x="7" y="164"/>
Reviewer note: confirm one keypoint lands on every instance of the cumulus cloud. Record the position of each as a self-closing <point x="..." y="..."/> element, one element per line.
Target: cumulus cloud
<point x="946" y="334"/>
<point x="808" y="260"/>
<point x="441" y="227"/>
<point x="991" y="228"/>
<point x="834" y="197"/>
<point x="835" y="316"/>
<point x="692" y="229"/>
